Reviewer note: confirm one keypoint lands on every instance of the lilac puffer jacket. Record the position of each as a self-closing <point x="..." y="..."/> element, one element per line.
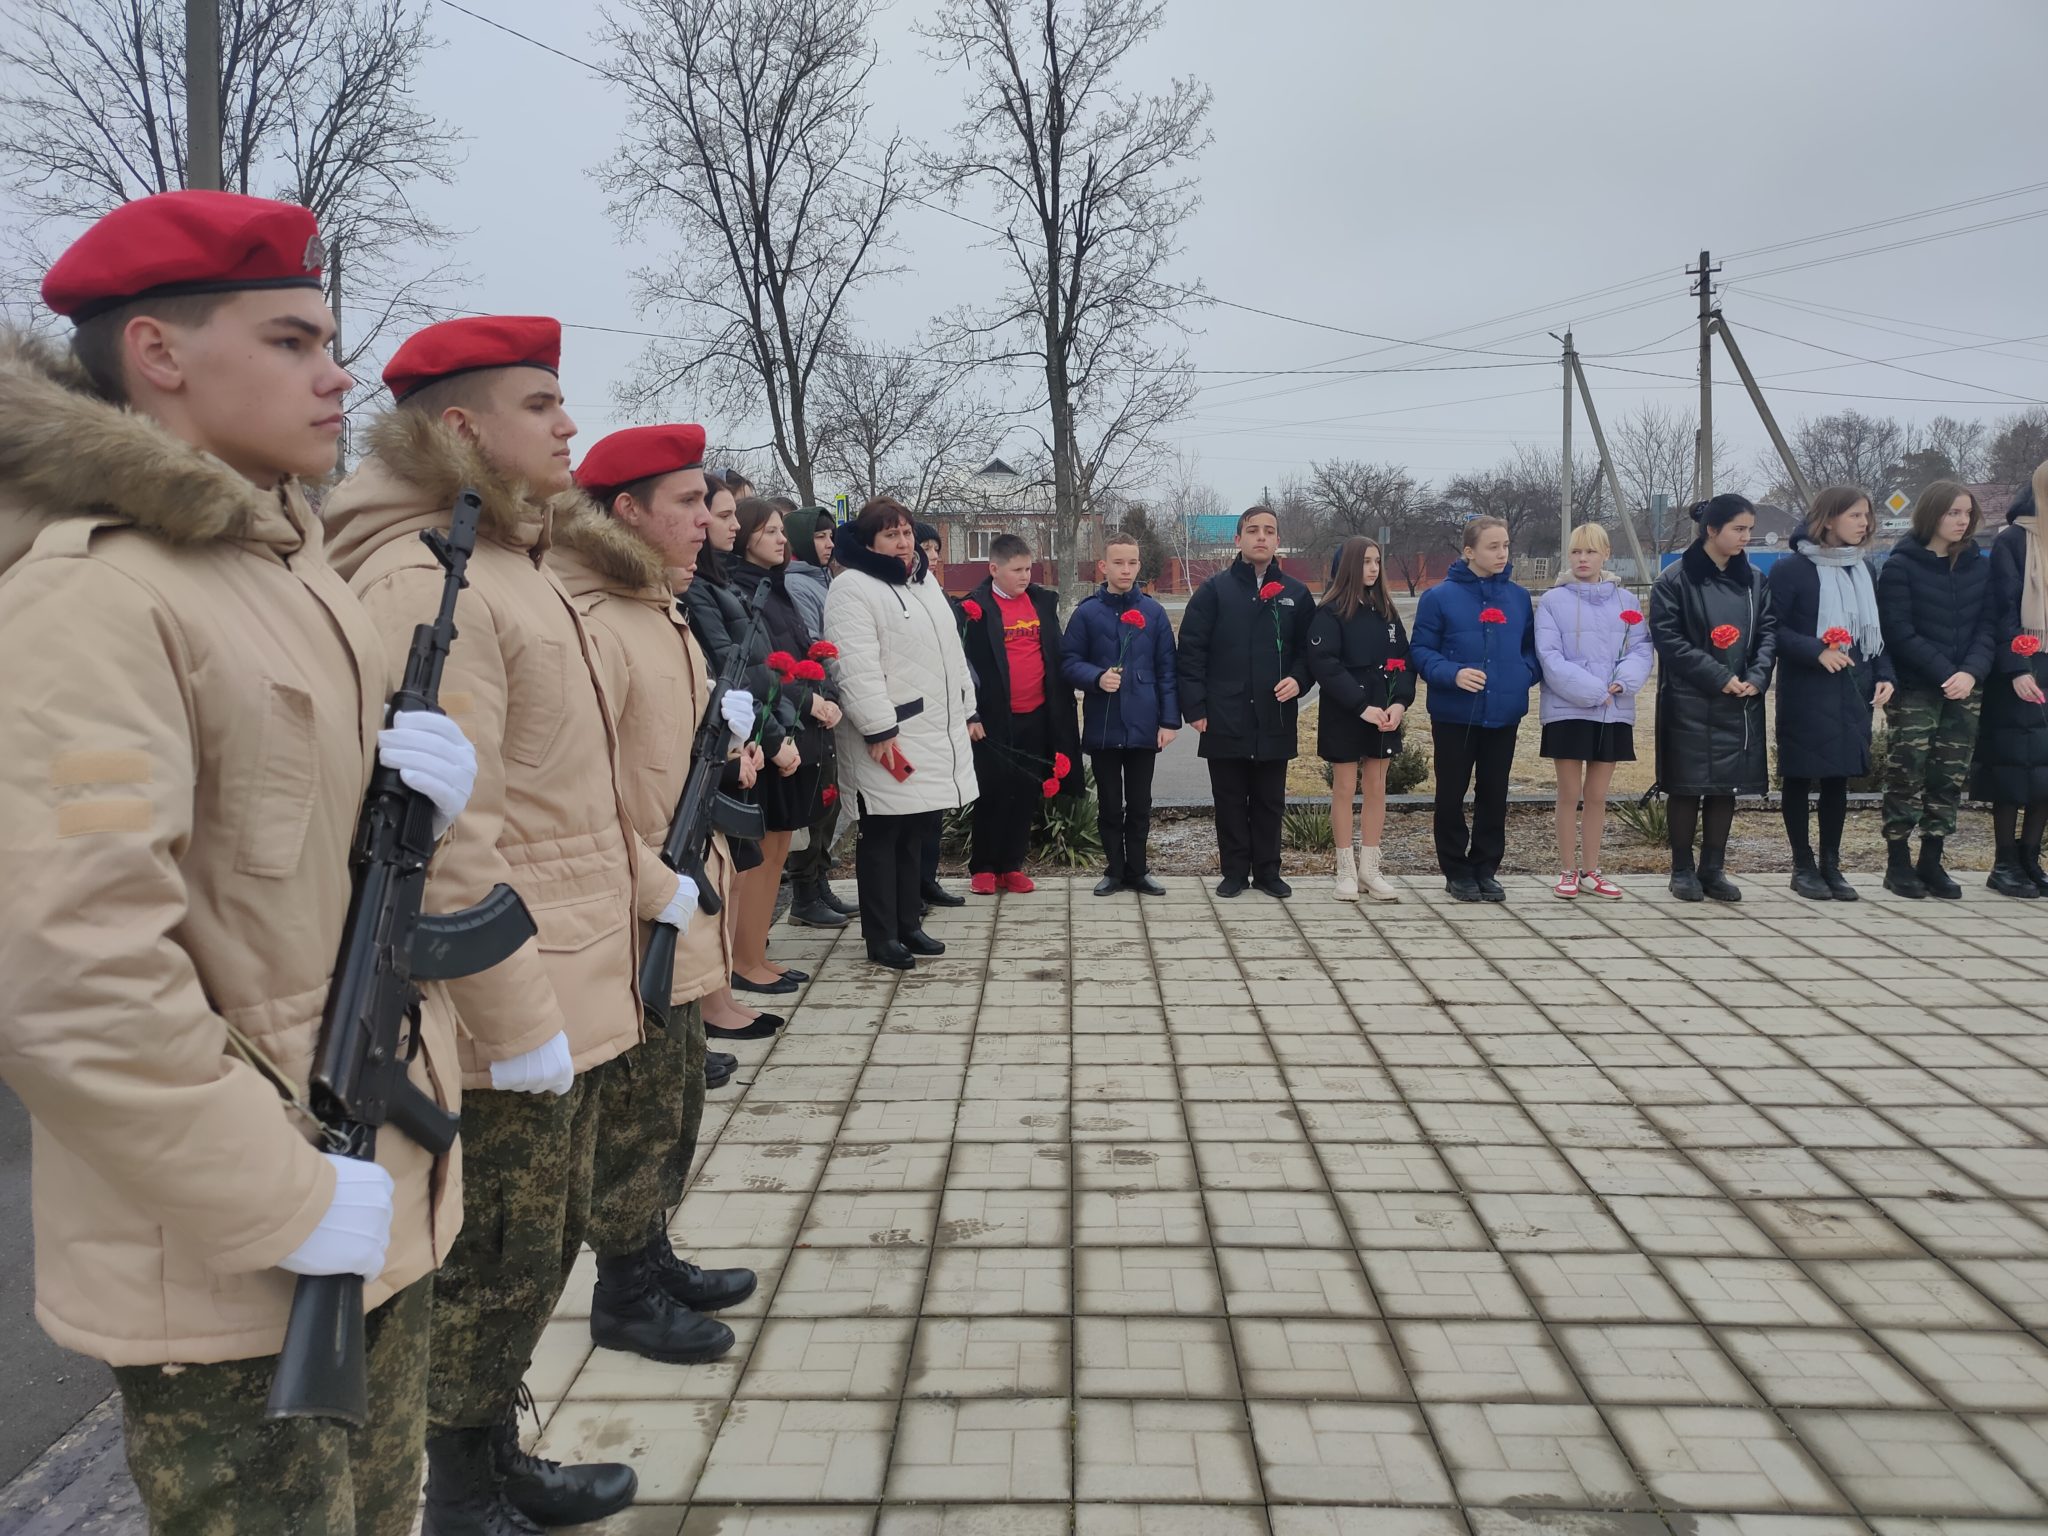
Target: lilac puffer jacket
<point x="1579" y="638"/>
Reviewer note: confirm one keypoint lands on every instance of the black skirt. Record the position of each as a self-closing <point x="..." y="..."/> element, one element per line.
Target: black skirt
<point x="1347" y="739"/>
<point x="1590" y="741"/>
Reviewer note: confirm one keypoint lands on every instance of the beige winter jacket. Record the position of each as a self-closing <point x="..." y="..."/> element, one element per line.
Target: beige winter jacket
<point x="187" y="728"/>
<point x="546" y="817"/>
<point x="657" y="684"/>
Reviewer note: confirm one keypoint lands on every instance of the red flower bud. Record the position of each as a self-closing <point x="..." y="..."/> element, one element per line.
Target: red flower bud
<point x="1134" y="618"/>
<point x="1062" y="765"/>
<point x="1724" y="635"/>
<point x="808" y="672"/>
<point x="781" y="663"/>
<point x="1052" y="787"/>
<point x="2026" y="645"/>
<point x="1269" y="591"/>
<point x="1631" y="616"/>
<point x="823" y="650"/>
<point x="972" y="609"/>
<point x="1492" y="616"/>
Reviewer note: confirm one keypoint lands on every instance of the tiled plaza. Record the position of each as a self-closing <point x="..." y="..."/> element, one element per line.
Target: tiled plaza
<point x="1210" y="1218"/>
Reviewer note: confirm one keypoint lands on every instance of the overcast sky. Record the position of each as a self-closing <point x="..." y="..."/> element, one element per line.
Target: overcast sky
<point x="1414" y="169"/>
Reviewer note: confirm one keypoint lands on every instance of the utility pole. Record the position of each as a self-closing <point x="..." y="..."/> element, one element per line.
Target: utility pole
<point x="1756" y="397"/>
<point x="1628" y="522"/>
<point x="1703" y="446"/>
<point x="202" y="94"/>
<point x="1564" y="501"/>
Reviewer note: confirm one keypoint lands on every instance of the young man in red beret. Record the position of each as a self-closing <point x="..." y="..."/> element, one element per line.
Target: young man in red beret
<point x="192" y="714"/>
<point x="619" y="555"/>
<point x="480" y="405"/>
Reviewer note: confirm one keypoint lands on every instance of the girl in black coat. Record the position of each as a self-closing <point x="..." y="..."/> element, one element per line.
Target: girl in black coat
<point x="1827" y="688"/>
<point x="2012" y="747"/>
<point x="1717" y="640"/>
<point x="1358" y="655"/>
<point x="1933" y="598"/>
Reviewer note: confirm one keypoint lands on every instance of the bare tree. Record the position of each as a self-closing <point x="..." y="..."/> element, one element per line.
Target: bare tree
<point x="1183" y="497"/>
<point x="745" y="148"/>
<point x="1653" y="456"/>
<point x="1351" y="496"/>
<point x="896" y="424"/>
<point x="1092" y="182"/>
<point x="1849" y="448"/>
<point x="1522" y="490"/>
<point x="2020" y="443"/>
<point x="1964" y="444"/>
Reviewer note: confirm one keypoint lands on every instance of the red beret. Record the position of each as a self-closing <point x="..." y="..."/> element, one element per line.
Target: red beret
<point x="470" y="345"/>
<point x="185" y="242"/>
<point x="639" y="452"/>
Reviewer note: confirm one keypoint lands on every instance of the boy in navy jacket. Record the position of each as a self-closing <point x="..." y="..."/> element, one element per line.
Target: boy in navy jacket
<point x="1119" y="653"/>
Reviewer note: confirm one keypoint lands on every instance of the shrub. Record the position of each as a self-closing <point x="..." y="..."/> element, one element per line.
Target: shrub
<point x="1647" y="820"/>
<point x="956" y="829"/>
<point x="1307" y="829"/>
<point x="1067" y="831"/>
<point x="1407" y="771"/>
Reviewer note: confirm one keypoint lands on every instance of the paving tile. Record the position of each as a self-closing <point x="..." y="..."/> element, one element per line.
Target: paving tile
<point x="1822" y="1368"/>
<point x="1170" y="1357"/>
<point x="1627" y="1363"/>
<point x="814" y="1520"/>
<point x="998" y="1282"/>
<point x="1258" y="1165"/>
<point x="836" y="1357"/>
<point x="1597" y="1288"/>
<point x="1645" y="1171"/>
<point x="1770" y="1173"/>
<point x="1914" y="1463"/>
<point x="806" y="1451"/>
<point x="1274" y="1219"/>
<point x="1274" y="1282"/>
<point x="1399" y="1220"/>
<point x="1577" y="1522"/>
<point x="1722" y="1458"/>
<point x="1431" y="1283"/>
<point x="1523" y="1453"/>
<point x="2005" y="1372"/>
<point x="1318" y="1358"/>
<point x="870" y="1219"/>
<point x="1003" y="1218"/>
<point x="1832" y="1229"/>
<point x="1140" y="1218"/>
<point x="2019" y="1286"/>
<point x="852" y="1282"/>
<point x="1163" y="1450"/>
<point x="1549" y="1223"/>
<point x="741" y="1219"/>
<point x="666" y="1443"/>
<point x="1150" y="1165"/>
<point x="2022" y="1439"/>
<point x="1512" y="1170"/>
<point x="1694" y="1228"/>
<point x="1484" y="1362"/>
<point x="990" y="1357"/>
<point x="1139" y="1281"/>
<point x="1012" y="1450"/>
<point x="1354" y="1453"/>
<point x="1009" y="1165"/>
<point x="1165" y="1520"/>
<point x="787" y="1167"/>
<point x="1968" y="1229"/>
<point x="1761" y="1292"/>
<point x="1906" y="1293"/>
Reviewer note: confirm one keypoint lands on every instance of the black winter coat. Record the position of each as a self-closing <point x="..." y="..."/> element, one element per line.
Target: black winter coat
<point x="792" y="802"/>
<point x="1710" y="742"/>
<point x="1936" y="613"/>
<point x="718" y="618"/>
<point x="1823" y="716"/>
<point x="1230" y="665"/>
<point x="1348" y="659"/>
<point x="2012" y="742"/>
<point x="998" y="764"/>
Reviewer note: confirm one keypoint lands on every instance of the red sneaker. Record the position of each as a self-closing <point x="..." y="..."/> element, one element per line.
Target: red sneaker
<point x="983" y="884"/>
<point x="1016" y="880"/>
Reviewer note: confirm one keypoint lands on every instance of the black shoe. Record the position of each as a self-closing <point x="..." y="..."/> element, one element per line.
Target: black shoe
<point x="1839" y="889"/>
<point x="791" y="973"/>
<point x="717" y="1073"/>
<point x="1463" y="888"/>
<point x="2030" y="861"/>
<point x="1929" y="872"/>
<point x="1490" y="889"/>
<point x="2010" y="878"/>
<point x="764" y="1027"/>
<point x="1273" y="886"/>
<point x="722" y="1061"/>
<point x="701" y="1290"/>
<point x="893" y="955"/>
<point x="782" y="986"/>
<point x="1108" y="885"/>
<point x="918" y="942"/>
<point x="631" y="1311"/>
<point x="1232" y="885"/>
<point x="548" y="1493"/>
<point x="1902" y="879"/>
<point x="1716" y="886"/>
<point x="465" y="1494"/>
<point x="1145" y="885"/>
<point x="936" y="895"/>
<point x="809" y="909"/>
<point x="1685" y="885"/>
<point x="831" y="899"/>
<point x="1806" y="878"/>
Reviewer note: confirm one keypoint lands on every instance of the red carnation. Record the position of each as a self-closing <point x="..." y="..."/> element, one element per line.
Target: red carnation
<point x="2025" y="645"/>
<point x="1269" y="591"/>
<point x="1724" y="635"/>
<point x="1396" y="664"/>
<point x="1631" y="616"/>
<point x="808" y="672"/>
<point x="1838" y="638"/>
<point x="972" y="609"/>
<point x="1492" y="616"/>
<point x="829" y="796"/>
<point x="1062" y="765"/>
<point x="781" y="663"/>
<point x="1134" y="618"/>
<point x="823" y="650"/>
<point x="1052" y="787"/>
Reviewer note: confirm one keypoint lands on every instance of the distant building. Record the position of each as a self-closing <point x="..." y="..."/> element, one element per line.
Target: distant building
<point x="974" y="507"/>
<point x="1211" y="533"/>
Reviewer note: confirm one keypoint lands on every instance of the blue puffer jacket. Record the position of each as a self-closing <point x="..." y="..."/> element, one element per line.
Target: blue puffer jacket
<point x="1448" y="636"/>
<point x="1150" y="696"/>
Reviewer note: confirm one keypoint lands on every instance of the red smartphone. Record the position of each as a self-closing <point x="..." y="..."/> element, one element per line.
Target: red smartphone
<point x="899" y="767"/>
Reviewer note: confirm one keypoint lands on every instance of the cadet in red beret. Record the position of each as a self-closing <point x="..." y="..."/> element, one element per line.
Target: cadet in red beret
<point x="641" y="453"/>
<point x="480" y="405"/>
<point x="190" y="688"/>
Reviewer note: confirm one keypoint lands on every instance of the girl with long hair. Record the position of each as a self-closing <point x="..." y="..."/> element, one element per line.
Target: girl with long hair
<point x="1358" y="655"/>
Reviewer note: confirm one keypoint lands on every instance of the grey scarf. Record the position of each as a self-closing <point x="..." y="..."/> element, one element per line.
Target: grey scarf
<point x="1848" y="599"/>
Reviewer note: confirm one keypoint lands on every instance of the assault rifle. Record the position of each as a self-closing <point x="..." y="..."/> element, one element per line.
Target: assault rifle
<point x="368" y="1033"/>
<point x="703" y="809"/>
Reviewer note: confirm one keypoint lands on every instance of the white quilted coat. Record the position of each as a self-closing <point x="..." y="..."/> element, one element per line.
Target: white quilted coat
<point x="902" y="676"/>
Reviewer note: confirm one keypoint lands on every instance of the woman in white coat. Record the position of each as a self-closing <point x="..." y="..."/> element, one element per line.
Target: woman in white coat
<point x="907" y="700"/>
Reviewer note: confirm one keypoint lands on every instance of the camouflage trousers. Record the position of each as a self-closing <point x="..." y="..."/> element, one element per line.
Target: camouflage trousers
<point x="1928" y="741"/>
<point x="653" y="1105"/>
<point x="526" y="1163"/>
<point x="208" y="1463"/>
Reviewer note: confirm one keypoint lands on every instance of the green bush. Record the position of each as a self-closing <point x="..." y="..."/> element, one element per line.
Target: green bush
<point x="1647" y="820"/>
<point x="1407" y="771"/>
<point x="1307" y="829"/>
<point x="1067" y="831"/>
<point x="956" y="829"/>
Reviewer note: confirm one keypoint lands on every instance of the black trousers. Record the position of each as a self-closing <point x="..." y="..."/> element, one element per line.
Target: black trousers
<point x="1010" y="793"/>
<point x="1123" y="793"/>
<point x="888" y="863"/>
<point x="928" y="854"/>
<point x="1250" y="799"/>
<point x="1479" y="757"/>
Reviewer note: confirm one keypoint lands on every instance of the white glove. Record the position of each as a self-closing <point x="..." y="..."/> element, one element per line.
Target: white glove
<point x="547" y="1068"/>
<point x="433" y="757"/>
<point x="355" y="1232"/>
<point x="681" y="906"/>
<point x="738" y="708"/>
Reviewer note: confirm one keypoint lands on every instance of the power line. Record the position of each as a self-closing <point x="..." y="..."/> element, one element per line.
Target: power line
<point x="1900" y="245"/>
<point x="1983" y="344"/>
<point x="1878" y="362"/>
<point x="1899" y="218"/>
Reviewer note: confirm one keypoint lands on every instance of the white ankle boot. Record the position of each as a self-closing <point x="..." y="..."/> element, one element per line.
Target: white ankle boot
<point x="1347" y="875"/>
<point x="1376" y="884"/>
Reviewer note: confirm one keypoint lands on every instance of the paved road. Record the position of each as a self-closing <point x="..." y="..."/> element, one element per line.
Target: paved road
<point x="48" y="1389"/>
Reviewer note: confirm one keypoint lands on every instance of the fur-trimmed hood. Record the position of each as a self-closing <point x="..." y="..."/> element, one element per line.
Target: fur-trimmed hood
<point x="415" y="469"/>
<point x="65" y="451"/>
<point x="594" y="552"/>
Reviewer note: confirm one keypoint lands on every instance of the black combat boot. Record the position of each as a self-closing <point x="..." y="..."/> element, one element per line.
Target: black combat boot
<point x="2030" y="861"/>
<point x="1901" y="878"/>
<point x="701" y="1290"/>
<point x="1831" y="871"/>
<point x="1685" y="880"/>
<point x="546" y="1493"/>
<point x="465" y="1496"/>
<point x="809" y="909"/>
<point x="1806" y="877"/>
<point x="1714" y="882"/>
<point x="2009" y="876"/>
<point x="831" y="899"/>
<point x="629" y="1310"/>
<point x="1932" y="877"/>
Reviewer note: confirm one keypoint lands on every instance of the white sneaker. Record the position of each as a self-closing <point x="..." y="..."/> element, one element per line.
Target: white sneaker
<point x="1567" y="884"/>
<point x="1593" y="883"/>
